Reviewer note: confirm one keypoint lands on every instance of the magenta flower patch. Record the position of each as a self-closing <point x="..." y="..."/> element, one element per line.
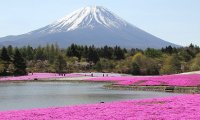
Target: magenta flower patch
<point x="171" y="80"/>
<point x="33" y="76"/>
<point x="185" y="107"/>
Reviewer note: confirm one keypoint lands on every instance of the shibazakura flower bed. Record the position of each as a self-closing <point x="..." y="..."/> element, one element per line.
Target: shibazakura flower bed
<point x="180" y="107"/>
<point x="168" y="80"/>
<point x="34" y="76"/>
<point x="164" y="80"/>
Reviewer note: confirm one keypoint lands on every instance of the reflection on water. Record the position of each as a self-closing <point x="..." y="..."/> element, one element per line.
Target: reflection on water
<point x="50" y="94"/>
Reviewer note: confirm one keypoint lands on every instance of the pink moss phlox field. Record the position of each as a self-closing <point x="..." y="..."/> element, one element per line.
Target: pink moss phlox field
<point x="170" y="80"/>
<point x="33" y="76"/>
<point x="182" y="107"/>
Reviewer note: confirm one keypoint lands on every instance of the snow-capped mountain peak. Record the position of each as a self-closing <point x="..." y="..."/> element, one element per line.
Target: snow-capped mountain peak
<point x="87" y="17"/>
<point x="92" y="25"/>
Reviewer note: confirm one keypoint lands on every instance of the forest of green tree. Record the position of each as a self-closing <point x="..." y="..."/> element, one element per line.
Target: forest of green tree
<point x="76" y="58"/>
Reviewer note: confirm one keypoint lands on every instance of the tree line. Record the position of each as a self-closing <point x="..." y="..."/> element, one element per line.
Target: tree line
<point x="12" y="65"/>
<point x="78" y="58"/>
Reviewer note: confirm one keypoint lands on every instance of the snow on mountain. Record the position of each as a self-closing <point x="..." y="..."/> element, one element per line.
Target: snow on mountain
<point x="87" y="17"/>
<point x="93" y="25"/>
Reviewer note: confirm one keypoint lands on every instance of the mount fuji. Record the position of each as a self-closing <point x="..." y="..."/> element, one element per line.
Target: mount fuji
<point x="88" y="26"/>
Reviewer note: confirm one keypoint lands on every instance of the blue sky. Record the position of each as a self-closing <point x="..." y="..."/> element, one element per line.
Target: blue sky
<point x="177" y="21"/>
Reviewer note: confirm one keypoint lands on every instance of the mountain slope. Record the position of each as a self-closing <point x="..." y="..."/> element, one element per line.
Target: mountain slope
<point x="89" y="26"/>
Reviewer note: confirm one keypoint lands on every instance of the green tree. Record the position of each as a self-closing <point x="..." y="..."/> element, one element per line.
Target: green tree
<point x="195" y="63"/>
<point x="39" y="55"/>
<point x="135" y="69"/>
<point x="153" y="53"/>
<point x="139" y="59"/>
<point x="168" y="49"/>
<point x="4" y="55"/>
<point x="60" y="64"/>
<point x="51" y="54"/>
<point x="185" y="55"/>
<point x="5" y="61"/>
<point x="171" y="65"/>
<point x="29" y="53"/>
<point x="74" y="51"/>
<point x="10" y="50"/>
<point x="92" y="55"/>
<point x="147" y="65"/>
<point x="152" y="67"/>
<point x="104" y="65"/>
<point x="2" y="67"/>
<point x="107" y="52"/>
<point x="98" y="66"/>
<point x="19" y="64"/>
<point x="118" y="53"/>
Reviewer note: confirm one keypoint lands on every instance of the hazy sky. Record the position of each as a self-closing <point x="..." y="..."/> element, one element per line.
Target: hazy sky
<point x="177" y="21"/>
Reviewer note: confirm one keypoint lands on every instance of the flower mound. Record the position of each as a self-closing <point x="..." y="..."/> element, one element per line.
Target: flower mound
<point x="185" y="107"/>
<point x="169" y="80"/>
<point x="33" y="76"/>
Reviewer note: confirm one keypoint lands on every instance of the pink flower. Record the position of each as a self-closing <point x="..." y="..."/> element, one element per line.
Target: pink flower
<point x="185" y="107"/>
<point x="33" y="76"/>
<point x="171" y="80"/>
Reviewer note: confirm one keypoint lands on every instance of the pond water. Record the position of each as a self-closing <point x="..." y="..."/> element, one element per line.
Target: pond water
<point x="27" y="95"/>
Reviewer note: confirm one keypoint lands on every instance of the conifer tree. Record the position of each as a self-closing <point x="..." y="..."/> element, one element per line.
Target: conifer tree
<point x="60" y="64"/>
<point x="4" y="55"/>
<point x="118" y="53"/>
<point x="19" y="64"/>
<point x="10" y="50"/>
<point x="5" y="61"/>
<point x="92" y="55"/>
